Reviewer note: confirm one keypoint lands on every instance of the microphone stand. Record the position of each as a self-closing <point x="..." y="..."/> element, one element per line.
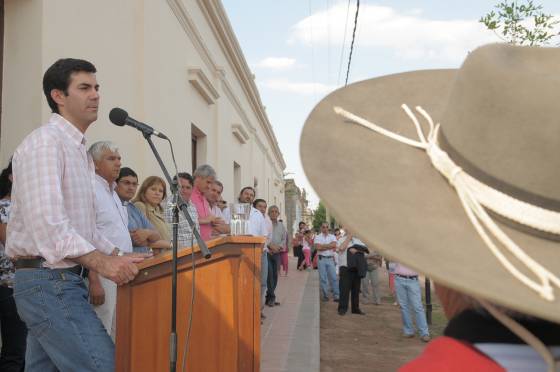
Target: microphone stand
<point x="178" y="203"/>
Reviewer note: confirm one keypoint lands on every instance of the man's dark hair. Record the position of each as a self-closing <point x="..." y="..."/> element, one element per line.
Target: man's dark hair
<point x="5" y="183"/>
<point x="257" y="201"/>
<point x="58" y="77"/>
<point x="301" y="223"/>
<point x="246" y="188"/>
<point x="185" y="176"/>
<point x="126" y="172"/>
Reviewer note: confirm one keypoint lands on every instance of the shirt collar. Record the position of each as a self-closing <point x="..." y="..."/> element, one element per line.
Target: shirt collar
<point x="105" y="184"/>
<point x="68" y="128"/>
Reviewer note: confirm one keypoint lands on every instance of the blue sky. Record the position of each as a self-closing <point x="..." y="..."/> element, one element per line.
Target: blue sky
<point x="294" y="48"/>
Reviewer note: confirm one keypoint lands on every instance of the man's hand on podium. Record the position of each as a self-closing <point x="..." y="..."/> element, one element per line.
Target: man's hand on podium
<point x="122" y="269"/>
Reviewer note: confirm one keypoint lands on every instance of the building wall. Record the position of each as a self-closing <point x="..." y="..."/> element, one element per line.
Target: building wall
<point x="175" y="64"/>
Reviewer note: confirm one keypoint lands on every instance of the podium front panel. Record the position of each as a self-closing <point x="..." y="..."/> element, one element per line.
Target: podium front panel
<point x="225" y="333"/>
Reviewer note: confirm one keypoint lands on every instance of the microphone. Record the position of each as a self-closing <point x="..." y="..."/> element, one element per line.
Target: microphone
<point x="120" y="117"/>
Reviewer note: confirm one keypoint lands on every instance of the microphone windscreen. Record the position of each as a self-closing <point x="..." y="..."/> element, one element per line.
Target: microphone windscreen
<point x="118" y="116"/>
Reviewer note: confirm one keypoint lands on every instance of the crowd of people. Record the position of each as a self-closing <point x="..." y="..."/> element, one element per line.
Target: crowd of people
<point x="78" y="221"/>
<point x="349" y="274"/>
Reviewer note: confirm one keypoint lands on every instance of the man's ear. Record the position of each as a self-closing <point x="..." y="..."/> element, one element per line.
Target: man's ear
<point x="58" y="96"/>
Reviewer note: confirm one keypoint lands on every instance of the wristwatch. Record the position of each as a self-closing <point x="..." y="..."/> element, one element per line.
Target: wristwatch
<point x="119" y="252"/>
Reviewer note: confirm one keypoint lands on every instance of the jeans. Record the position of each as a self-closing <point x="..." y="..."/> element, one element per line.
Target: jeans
<point x="371" y="283"/>
<point x="410" y="298"/>
<point x="65" y="334"/>
<point x="264" y="277"/>
<point x="349" y="288"/>
<point x="272" y="278"/>
<point x="14" y="333"/>
<point x="327" y="273"/>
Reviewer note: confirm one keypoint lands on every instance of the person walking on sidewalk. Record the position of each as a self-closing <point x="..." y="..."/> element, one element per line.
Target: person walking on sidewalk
<point x="276" y="243"/>
<point x="409" y="297"/>
<point x="325" y="244"/>
<point x="297" y="244"/>
<point x="306" y="250"/>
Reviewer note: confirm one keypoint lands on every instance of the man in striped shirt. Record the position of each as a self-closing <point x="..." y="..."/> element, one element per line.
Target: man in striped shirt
<point x="52" y="234"/>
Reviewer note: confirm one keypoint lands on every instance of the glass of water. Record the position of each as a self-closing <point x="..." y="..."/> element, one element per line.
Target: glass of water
<point x="239" y="224"/>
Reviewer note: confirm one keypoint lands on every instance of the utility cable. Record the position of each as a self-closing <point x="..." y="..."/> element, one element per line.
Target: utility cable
<point x="343" y="44"/>
<point x="353" y="39"/>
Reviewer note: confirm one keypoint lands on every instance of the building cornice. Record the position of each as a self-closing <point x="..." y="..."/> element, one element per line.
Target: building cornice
<point x="188" y="25"/>
<point x="216" y="16"/>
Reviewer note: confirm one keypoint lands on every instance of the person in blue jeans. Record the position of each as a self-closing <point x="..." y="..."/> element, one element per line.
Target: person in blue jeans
<point x="409" y="298"/>
<point x="52" y="234"/>
<point x="325" y="244"/>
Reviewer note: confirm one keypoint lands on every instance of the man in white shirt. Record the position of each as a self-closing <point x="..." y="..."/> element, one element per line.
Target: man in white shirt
<point x="325" y="244"/>
<point x="111" y="219"/>
<point x="257" y="227"/>
<point x="213" y="195"/>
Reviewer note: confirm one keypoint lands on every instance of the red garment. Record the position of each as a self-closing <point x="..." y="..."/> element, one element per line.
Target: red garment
<point x="203" y="209"/>
<point x="446" y="354"/>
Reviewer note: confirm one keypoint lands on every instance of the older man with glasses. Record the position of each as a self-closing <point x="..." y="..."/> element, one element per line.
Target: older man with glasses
<point x="325" y="244"/>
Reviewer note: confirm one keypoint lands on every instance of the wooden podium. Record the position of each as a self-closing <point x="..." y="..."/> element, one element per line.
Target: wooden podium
<point x="225" y="333"/>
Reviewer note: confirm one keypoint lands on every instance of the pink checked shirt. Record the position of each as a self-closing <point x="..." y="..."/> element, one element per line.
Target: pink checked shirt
<point x="203" y="209"/>
<point x="53" y="211"/>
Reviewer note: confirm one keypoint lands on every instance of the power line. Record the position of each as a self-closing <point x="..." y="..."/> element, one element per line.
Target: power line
<point x="343" y="44"/>
<point x="328" y="42"/>
<point x="353" y="38"/>
<point x="312" y="48"/>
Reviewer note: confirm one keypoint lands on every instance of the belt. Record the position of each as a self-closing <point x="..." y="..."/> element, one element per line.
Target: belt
<point x="321" y="257"/>
<point x="37" y="263"/>
<point x="412" y="277"/>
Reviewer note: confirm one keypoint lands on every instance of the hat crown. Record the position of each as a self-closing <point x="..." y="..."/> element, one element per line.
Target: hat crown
<point x="502" y="121"/>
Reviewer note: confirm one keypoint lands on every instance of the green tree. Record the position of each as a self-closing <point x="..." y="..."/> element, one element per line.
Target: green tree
<point x="521" y="24"/>
<point x="319" y="216"/>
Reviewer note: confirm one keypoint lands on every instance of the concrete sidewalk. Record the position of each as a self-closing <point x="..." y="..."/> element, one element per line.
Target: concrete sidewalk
<point x="290" y="333"/>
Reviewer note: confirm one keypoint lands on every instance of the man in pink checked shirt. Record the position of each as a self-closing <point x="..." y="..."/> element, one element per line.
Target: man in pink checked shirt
<point x="52" y="234"/>
<point x="204" y="177"/>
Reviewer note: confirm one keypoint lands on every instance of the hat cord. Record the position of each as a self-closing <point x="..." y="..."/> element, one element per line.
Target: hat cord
<point x="523" y="333"/>
<point x="473" y="195"/>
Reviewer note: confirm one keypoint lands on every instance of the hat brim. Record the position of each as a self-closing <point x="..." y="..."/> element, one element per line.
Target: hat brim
<point x="392" y="197"/>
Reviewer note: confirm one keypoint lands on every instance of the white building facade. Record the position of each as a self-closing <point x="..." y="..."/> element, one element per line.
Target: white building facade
<point x="174" y="64"/>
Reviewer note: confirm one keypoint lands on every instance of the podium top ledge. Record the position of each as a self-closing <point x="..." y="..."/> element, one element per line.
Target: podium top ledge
<point x="183" y="251"/>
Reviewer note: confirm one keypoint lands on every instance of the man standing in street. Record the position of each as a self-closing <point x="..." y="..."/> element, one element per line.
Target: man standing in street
<point x="111" y="219"/>
<point x="277" y="243"/>
<point x="409" y="297"/>
<point x="325" y="244"/>
<point x="52" y="232"/>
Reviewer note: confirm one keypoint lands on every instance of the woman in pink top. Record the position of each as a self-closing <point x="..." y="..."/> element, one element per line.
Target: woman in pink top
<point x="307" y="243"/>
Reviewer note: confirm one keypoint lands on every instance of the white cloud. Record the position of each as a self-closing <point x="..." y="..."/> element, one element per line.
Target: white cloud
<point x="277" y="63"/>
<point x="410" y="35"/>
<point x="302" y="88"/>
